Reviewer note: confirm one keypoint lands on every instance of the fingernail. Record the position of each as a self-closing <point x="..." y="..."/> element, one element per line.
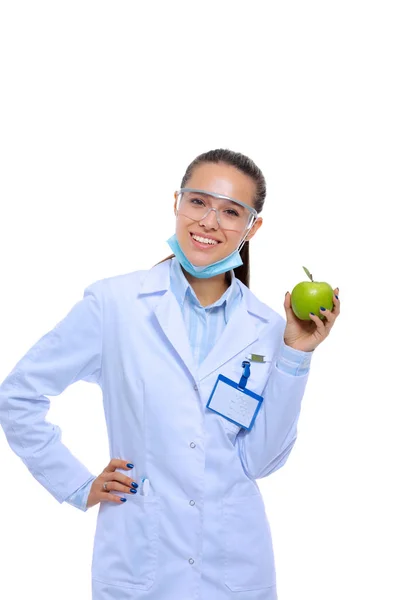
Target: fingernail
<point x="322" y="308"/>
<point x="130" y="465"/>
<point x="123" y="499"/>
<point x="312" y="314"/>
<point x="133" y="491"/>
<point x="337" y="298"/>
<point x="134" y="485"/>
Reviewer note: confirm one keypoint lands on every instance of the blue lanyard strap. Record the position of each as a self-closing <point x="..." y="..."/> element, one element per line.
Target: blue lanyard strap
<point x="245" y="374"/>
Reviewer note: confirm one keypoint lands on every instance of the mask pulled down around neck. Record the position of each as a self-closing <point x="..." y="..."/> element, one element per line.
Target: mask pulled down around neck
<point x="228" y="263"/>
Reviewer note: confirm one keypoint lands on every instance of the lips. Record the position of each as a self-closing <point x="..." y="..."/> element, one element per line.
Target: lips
<point x="207" y="237"/>
<point x="203" y="246"/>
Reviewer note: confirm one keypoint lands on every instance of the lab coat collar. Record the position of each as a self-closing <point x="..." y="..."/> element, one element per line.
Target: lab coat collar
<point x="239" y="333"/>
<point x="156" y="279"/>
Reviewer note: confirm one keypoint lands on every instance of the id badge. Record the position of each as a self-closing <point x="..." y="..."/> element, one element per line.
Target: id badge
<point x="233" y="401"/>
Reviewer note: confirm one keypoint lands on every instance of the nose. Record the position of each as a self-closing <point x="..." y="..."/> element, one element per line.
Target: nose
<point x="210" y="219"/>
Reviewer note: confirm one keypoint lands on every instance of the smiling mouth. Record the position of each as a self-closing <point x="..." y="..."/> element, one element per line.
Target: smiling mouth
<point x="204" y="240"/>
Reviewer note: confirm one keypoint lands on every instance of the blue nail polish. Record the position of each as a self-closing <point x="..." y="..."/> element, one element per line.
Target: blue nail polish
<point x="322" y="308"/>
<point x="337" y="297"/>
<point x="134" y="485"/>
<point x="123" y="499"/>
<point x="133" y="491"/>
<point x="312" y="314"/>
<point x="130" y="465"/>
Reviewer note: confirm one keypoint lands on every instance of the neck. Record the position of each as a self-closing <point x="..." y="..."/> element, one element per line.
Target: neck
<point x="208" y="290"/>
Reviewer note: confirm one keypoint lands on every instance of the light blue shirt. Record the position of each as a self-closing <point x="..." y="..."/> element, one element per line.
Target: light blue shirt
<point x="204" y="325"/>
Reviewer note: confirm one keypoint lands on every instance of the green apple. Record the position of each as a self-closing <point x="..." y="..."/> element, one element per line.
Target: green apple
<point x="309" y="296"/>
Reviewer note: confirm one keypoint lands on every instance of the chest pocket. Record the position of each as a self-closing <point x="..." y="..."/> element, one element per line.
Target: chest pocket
<point x="126" y="543"/>
<point x="259" y="373"/>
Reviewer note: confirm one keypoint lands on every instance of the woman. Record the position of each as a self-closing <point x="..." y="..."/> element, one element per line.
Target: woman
<point x="202" y="385"/>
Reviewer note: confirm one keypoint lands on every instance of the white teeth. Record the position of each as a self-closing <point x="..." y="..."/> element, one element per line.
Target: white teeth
<point x="204" y="240"/>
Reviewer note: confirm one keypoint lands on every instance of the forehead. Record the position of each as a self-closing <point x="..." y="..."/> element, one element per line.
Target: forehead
<point x="223" y="179"/>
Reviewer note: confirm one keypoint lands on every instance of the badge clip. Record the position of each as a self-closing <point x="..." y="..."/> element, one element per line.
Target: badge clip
<point x="245" y="375"/>
<point x="256" y="358"/>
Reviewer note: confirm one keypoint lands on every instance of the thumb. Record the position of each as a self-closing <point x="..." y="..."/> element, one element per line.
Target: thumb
<point x="286" y="302"/>
<point x="287" y="306"/>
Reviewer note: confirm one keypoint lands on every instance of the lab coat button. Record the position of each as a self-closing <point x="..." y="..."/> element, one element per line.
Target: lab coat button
<point x="192" y="445"/>
<point x="195" y="388"/>
<point x="192" y="503"/>
<point x="191" y="561"/>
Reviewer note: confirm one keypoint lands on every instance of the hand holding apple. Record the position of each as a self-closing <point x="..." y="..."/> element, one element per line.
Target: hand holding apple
<point x="309" y="296"/>
<point x="311" y="311"/>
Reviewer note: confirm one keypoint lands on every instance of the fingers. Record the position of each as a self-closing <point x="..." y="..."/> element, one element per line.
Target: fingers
<point x="331" y="315"/>
<point x="106" y="497"/>
<point x="116" y="481"/>
<point x="336" y="302"/>
<point x="127" y="481"/>
<point x="319" y="323"/>
<point x="110" y="474"/>
<point x="115" y="486"/>
<point x="126" y="486"/>
<point x="290" y="316"/>
<point x="324" y="326"/>
<point x="118" y="463"/>
<point x="97" y="494"/>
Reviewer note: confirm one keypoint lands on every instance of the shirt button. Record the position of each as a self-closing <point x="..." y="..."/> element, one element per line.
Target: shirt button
<point x="192" y="503"/>
<point x="192" y="445"/>
<point x="195" y="388"/>
<point x="191" y="561"/>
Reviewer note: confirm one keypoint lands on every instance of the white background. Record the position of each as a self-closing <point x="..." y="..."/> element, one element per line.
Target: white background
<point x="103" y="106"/>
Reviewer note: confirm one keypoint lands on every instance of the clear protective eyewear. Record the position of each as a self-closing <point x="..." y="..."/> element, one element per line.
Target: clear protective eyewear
<point x="231" y="214"/>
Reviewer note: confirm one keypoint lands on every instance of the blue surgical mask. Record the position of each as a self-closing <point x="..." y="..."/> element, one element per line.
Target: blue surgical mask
<point x="221" y="266"/>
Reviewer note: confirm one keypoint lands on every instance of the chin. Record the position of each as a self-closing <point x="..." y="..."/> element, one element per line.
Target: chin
<point x="199" y="260"/>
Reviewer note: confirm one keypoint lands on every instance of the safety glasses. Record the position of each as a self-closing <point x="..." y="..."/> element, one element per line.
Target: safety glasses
<point x="231" y="214"/>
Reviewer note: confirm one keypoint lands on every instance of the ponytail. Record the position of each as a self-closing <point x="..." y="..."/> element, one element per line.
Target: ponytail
<point x="243" y="272"/>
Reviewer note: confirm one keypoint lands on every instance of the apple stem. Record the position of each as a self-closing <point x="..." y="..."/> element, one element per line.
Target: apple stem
<point x="308" y="273"/>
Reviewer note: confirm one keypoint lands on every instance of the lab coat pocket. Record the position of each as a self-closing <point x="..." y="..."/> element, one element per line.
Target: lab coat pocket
<point x="259" y="373"/>
<point x="248" y="551"/>
<point x="126" y="542"/>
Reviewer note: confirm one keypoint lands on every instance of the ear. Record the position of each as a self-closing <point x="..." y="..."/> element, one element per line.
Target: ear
<point x="175" y="203"/>
<point x="256" y="226"/>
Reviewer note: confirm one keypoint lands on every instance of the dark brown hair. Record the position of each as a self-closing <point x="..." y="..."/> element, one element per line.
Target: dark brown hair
<point x="246" y="166"/>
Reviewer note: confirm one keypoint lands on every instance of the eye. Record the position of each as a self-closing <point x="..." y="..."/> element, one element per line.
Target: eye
<point x="231" y="212"/>
<point x="197" y="201"/>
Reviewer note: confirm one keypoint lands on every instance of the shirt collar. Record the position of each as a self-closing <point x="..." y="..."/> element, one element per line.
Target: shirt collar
<point x="183" y="290"/>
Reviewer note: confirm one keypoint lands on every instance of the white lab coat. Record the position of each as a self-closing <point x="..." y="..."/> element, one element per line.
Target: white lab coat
<point x="201" y="533"/>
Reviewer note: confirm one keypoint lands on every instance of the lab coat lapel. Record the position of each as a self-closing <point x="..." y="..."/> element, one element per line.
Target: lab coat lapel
<point x="239" y="332"/>
<point x="170" y="318"/>
<point x="166" y="309"/>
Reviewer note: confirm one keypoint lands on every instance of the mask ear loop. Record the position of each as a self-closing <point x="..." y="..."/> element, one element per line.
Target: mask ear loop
<point x="241" y="244"/>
